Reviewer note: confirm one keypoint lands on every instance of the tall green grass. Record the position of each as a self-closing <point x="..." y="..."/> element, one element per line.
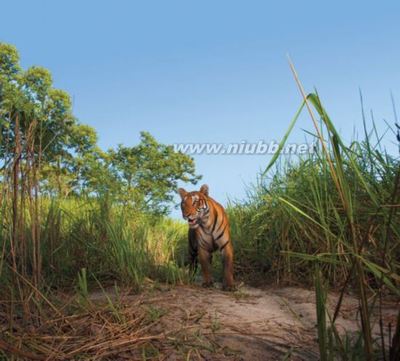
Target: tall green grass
<point x="299" y="210"/>
<point x="336" y="208"/>
<point x="109" y="242"/>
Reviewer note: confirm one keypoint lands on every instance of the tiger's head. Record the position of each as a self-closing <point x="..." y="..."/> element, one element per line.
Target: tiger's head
<point x="194" y="205"/>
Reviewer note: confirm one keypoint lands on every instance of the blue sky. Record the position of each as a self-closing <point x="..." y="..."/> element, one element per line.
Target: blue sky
<point x="211" y="71"/>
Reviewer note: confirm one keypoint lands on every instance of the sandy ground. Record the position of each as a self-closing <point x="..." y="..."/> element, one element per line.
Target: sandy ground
<point x="250" y="324"/>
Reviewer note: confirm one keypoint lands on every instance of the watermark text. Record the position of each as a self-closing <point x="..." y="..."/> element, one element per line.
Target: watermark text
<point x="243" y="148"/>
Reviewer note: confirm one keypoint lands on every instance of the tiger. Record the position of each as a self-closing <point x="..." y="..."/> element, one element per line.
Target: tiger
<point x="209" y="231"/>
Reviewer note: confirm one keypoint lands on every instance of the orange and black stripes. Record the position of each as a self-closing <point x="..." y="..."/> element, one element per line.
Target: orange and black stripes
<point x="208" y="231"/>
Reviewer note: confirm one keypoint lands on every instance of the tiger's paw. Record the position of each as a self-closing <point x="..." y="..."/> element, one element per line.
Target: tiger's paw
<point x="208" y="284"/>
<point x="229" y="288"/>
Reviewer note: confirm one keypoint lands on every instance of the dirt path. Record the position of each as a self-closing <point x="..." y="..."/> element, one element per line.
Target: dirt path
<point x="251" y="324"/>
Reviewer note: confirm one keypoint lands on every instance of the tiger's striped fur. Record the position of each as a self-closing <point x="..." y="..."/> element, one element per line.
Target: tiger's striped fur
<point x="209" y="231"/>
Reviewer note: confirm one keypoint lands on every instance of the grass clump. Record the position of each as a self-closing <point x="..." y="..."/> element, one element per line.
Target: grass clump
<point x="336" y="208"/>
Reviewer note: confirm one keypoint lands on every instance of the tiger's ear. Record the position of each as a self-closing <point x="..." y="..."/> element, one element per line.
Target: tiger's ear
<point x="204" y="189"/>
<point x="182" y="192"/>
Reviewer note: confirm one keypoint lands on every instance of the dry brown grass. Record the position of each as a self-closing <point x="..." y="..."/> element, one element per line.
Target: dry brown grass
<point x="161" y="323"/>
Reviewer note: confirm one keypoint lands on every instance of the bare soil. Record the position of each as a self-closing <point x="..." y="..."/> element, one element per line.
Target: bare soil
<point x="249" y="324"/>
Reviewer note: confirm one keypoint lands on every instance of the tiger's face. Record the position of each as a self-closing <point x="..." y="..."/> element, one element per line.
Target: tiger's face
<point x="194" y="205"/>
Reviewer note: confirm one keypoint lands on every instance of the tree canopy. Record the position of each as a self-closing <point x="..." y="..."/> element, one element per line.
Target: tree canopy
<point x="38" y="126"/>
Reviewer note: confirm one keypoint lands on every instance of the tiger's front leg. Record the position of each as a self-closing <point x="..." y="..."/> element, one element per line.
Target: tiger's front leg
<point x="192" y="256"/>
<point x="205" y="262"/>
<point x="192" y="266"/>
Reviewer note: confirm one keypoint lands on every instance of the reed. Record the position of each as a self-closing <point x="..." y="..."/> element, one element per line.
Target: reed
<point x="336" y="208"/>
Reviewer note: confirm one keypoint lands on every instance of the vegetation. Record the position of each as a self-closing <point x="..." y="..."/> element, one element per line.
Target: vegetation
<point x="73" y="217"/>
<point x="299" y="212"/>
<point x="329" y="218"/>
<point x="65" y="203"/>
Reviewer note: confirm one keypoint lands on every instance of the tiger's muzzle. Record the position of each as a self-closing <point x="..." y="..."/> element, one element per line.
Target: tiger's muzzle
<point x="192" y="221"/>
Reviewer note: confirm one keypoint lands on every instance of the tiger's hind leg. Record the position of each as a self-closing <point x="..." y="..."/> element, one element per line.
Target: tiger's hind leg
<point x="205" y="262"/>
<point x="227" y="259"/>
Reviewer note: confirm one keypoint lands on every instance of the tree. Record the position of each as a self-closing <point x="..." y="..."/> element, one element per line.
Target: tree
<point x="39" y="132"/>
<point x="149" y="172"/>
<point x="38" y="115"/>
